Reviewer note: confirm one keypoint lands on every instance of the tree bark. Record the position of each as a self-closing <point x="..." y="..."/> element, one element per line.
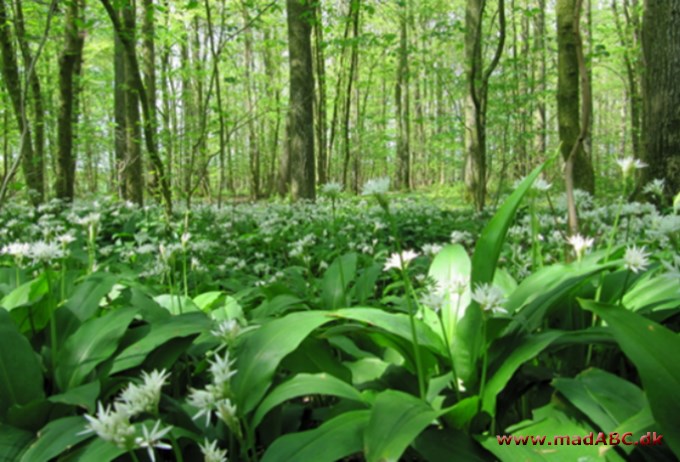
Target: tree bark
<point x="401" y="96"/>
<point x="69" y="67"/>
<point x="661" y="49"/>
<point x="568" y="103"/>
<point x="301" y="105"/>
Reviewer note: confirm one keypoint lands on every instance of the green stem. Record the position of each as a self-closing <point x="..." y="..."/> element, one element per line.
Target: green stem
<point x="175" y="448"/>
<point x="53" y="323"/>
<point x="133" y="455"/>
<point x="625" y="287"/>
<point x="485" y="365"/>
<point x="448" y="351"/>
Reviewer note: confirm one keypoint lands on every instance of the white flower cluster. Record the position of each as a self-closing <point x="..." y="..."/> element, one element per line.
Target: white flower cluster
<point x="396" y="259"/>
<point x="113" y="423"/>
<point x="490" y="298"/>
<point x="38" y="252"/>
<point x="216" y="397"/>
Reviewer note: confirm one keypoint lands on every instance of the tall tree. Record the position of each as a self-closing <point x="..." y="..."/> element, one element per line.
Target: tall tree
<point x="572" y="134"/>
<point x="127" y="39"/>
<point x="401" y="96"/>
<point x="301" y="105"/>
<point x="32" y="167"/>
<point x="70" y="64"/>
<point x="661" y="48"/>
<point x="477" y="96"/>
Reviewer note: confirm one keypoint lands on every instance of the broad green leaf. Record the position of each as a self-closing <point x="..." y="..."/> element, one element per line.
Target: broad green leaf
<point x="261" y="352"/>
<point x="84" y="302"/>
<point x="591" y="393"/>
<point x="93" y="343"/>
<point x="364" y="288"/>
<point x="207" y="301"/>
<point x="176" y="304"/>
<point x="396" y="420"/>
<point x="653" y="292"/>
<point x="13" y="442"/>
<point x="394" y="323"/>
<point x="26" y="294"/>
<point x="484" y="261"/>
<point x="97" y="450"/>
<point x="448" y="445"/>
<point x="55" y="438"/>
<point x="336" y="280"/>
<point x="84" y="396"/>
<point x="276" y="306"/>
<point x="334" y="440"/>
<point x="160" y="332"/>
<point x="303" y="385"/>
<point x="638" y="424"/>
<point x="526" y="350"/>
<point x="21" y="378"/>
<point x="652" y="348"/>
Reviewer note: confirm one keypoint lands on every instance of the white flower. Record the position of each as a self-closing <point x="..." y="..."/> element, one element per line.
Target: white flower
<point x="144" y="398"/>
<point x="460" y="237"/>
<point x="434" y="300"/>
<point x="580" y="244"/>
<point x="456" y="285"/>
<point x="655" y="187"/>
<point x="635" y="259"/>
<point x="629" y="165"/>
<point x="151" y="439"/>
<point x="18" y="250"/>
<point x="431" y="249"/>
<point x="211" y="453"/>
<point x="331" y="189"/>
<point x="396" y="259"/>
<point x="221" y="369"/>
<point x="490" y="298"/>
<point x="184" y="239"/>
<point x="66" y="239"/>
<point x="376" y="186"/>
<point x="205" y="401"/>
<point x="226" y="411"/>
<point x="111" y="425"/>
<point x="227" y="330"/>
<point x="88" y="220"/>
<point x="45" y="252"/>
<point x="541" y="185"/>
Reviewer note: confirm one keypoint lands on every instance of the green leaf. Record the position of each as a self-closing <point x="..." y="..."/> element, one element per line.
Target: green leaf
<point x="527" y="349"/>
<point x="13" y="441"/>
<point x="441" y="445"/>
<point x="96" y="449"/>
<point x="396" y="420"/>
<point x="334" y="440"/>
<point x="651" y="347"/>
<point x="261" y="352"/>
<point x="84" y="302"/>
<point x="484" y="261"/>
<point x="84" y="396"/>
<point x="276" y="306"/>
<point x="161" y="332"/>
<point x="208" y="300"/>
<point x="55" y="438"/>
<point x="26" y="294"/>
<point x="21" y="378"/>
<point x="93" y="343"/>
<point x="336" y="280"/>
<point x="394" y="323"/>
<point x="591" y="393"/>
<point x="302" y="385"/>
<point x="176" y="304"/>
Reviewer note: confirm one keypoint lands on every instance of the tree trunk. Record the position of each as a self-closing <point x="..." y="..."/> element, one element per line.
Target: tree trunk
<point x="301" y="104"/>
<point x="69" y="66"/>
<point x="149" y="135"/>
<point x="476" y="98"/>
<point x="320" y="68"/>
<point x="119" y="111"/>
<point x="149" y="66"/>
<point x="661" y="49"/>
<point x="568" y="103"/>
<point x="10" y="75"/>
<point x="401" y="95"/>
<point x="355" y="10"/>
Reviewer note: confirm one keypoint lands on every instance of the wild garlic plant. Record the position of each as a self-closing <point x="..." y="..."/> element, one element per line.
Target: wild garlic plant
<point x="114" y="422"/>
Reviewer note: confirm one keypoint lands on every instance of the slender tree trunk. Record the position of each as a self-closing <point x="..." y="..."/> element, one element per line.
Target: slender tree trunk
<point x="149" y="70"/>
<point x="253" y="147"/>
<point x="149" y="134"/>
<point x="540" y="131"/>
<point x="69" y="66"/>
<point x="355" y="10"/>
<point x="301" y="105"/>
<point x="401" y="95"/>
<point x="320" y="67"/>
<point x="120" y="129"/>
<point x="10" y="75"/>
<point x="568" y="103"/>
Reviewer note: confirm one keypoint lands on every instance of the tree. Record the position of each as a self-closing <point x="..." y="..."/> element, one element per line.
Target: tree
<point x="477" y="96"/>
<point x="301" y="105"/>
<point x="32" y="165"/>
<point x="661" y="48"/>
<point x="572" y="134"/>
<point x="401" y="96"/>
<point x="69" y="70"/>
